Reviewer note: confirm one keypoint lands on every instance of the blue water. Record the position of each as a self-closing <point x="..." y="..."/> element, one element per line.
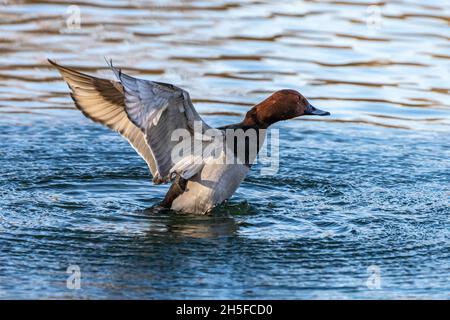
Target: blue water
<point x="365" y="189"/>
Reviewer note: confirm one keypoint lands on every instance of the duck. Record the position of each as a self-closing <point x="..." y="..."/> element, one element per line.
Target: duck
<point x="148" y="113"/>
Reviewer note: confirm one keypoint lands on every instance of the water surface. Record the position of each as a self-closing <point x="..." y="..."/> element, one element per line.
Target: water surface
<point x="365" y="189"/>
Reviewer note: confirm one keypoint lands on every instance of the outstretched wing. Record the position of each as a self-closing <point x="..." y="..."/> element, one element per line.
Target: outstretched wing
<point x="102" y="101"/>
<point x="159" y="109"/>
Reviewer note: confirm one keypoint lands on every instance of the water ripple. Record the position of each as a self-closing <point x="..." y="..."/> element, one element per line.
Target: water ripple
<point x="367" y="186"/>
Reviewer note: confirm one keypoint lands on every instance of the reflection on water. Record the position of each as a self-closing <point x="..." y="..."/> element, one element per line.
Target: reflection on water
<point x="221" y="224"/>
<point x="367" y="186"/>
<point x="357" y="58"/>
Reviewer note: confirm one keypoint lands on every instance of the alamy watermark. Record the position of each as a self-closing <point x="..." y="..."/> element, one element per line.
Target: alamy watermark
<point x="374" y="20"/>
<point x="228" y="146"/>
<point x="73" y="281"/>
<point x="73" y="20"/>
<point x="374" y="280"/>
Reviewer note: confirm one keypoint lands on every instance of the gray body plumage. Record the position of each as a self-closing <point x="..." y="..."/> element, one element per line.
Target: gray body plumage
<point x="213" y="185"/>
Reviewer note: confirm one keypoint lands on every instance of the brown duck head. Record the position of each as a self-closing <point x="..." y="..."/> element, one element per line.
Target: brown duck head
<point x="281" y="105"/>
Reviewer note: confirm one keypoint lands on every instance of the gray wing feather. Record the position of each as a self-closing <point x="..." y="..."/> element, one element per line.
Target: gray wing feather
<point x="102" y="101"/>
<point x="158" y="109"/>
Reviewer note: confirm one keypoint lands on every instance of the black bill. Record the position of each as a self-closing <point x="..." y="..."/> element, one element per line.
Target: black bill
<point x="311" y="110"/>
